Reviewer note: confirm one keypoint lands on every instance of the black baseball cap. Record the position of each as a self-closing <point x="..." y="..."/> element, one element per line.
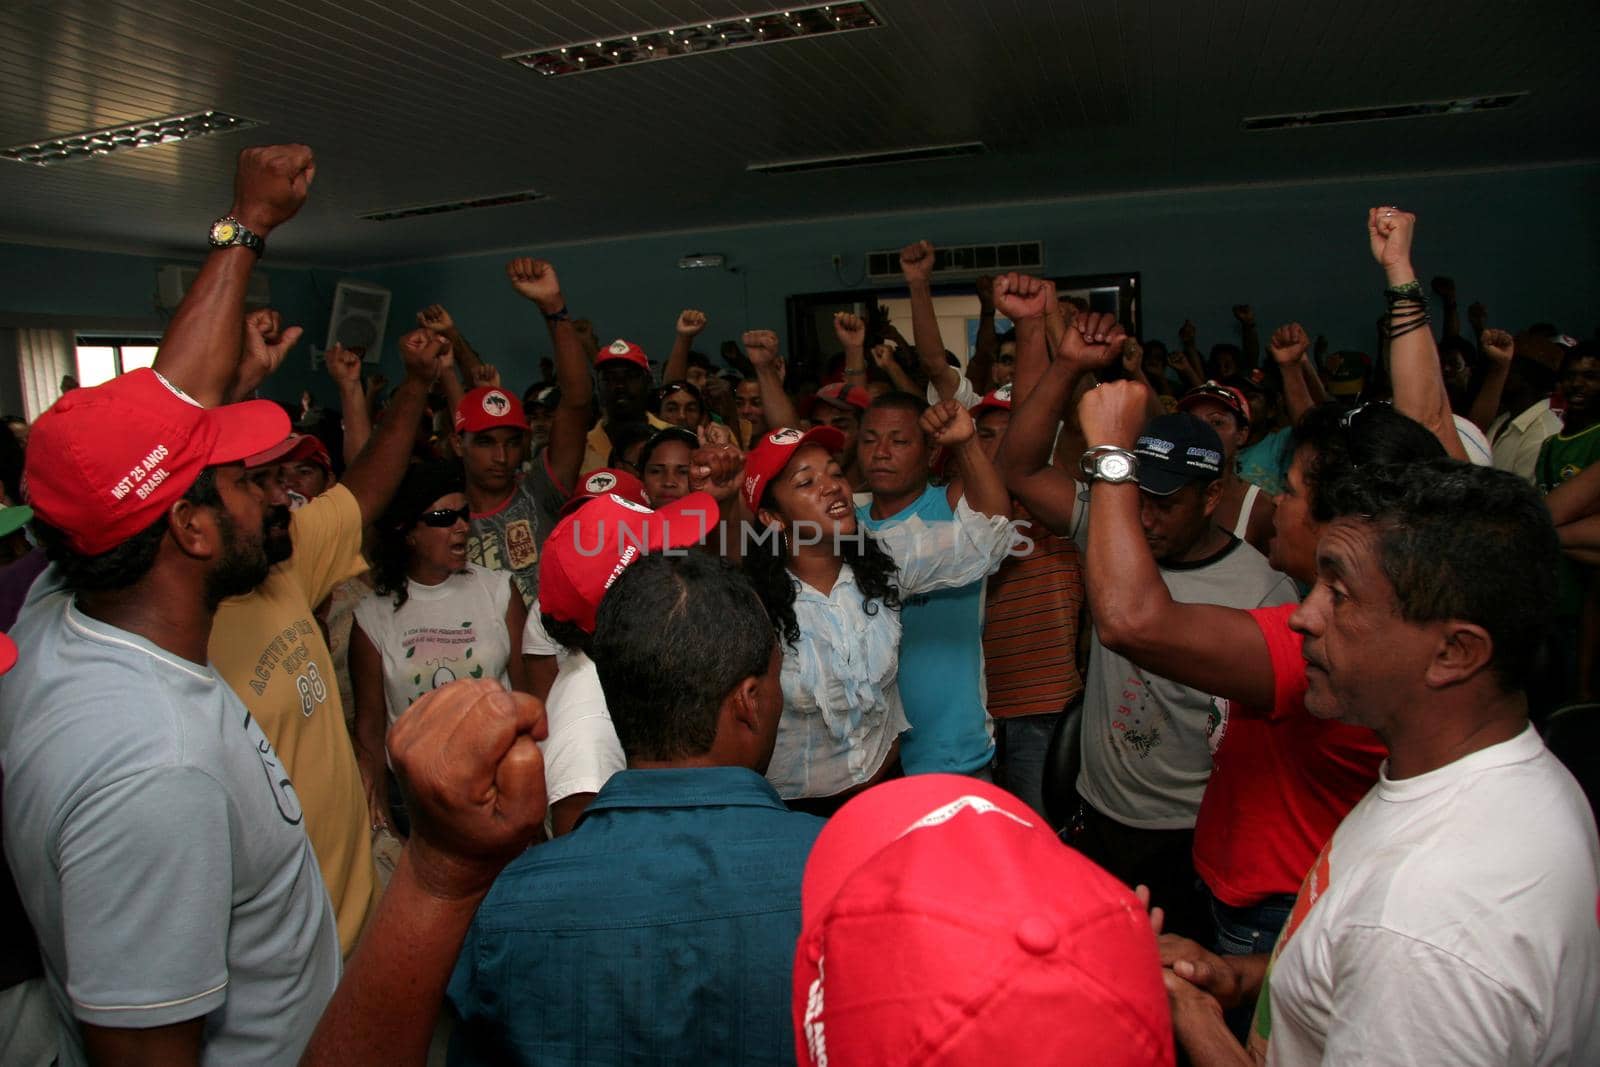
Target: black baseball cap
<point x="1175" y="451"/>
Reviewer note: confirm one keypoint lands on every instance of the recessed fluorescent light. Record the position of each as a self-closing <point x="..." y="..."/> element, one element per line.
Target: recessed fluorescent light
<point x="500" y="200"/>
<point x="870" y="159"/>
<point x="134" y="135"/>
<point x="1382" y="113"/>
<point x="580" y="57"/>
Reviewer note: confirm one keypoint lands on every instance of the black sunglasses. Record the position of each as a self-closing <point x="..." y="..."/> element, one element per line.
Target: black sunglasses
<point x="444" y="518"/>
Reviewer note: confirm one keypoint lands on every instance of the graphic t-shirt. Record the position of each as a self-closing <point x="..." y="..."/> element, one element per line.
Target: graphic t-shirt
<point x="442" y="633"/>
<point x="510" y="537"/>
<point x="1281" y="779"/>
<point x="268" y="647"/>
<point x="1145" y="753"/>
<point x="1443" y="924"/>
<point x="158" y="844"/>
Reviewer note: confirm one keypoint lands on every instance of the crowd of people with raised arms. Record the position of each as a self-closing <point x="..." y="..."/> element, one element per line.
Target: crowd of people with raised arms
<point x="1080" y="699"/>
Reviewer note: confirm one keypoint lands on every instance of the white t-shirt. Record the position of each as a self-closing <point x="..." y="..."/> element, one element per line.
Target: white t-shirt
<point x="1473" y="440"/>
<point x="581" y="752"/>
<point x="456" y="629"/>
<point x="536" y="641"/>
<point x="1450" y="920"/>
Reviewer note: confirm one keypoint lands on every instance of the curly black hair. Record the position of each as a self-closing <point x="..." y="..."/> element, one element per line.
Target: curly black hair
<point x="1343" y="443"/>
<point x="391" y="555"/>
<point x="766" y="564"/>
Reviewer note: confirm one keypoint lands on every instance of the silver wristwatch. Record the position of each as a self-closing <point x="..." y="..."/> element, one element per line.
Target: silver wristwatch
<point x="1108" y="463"/>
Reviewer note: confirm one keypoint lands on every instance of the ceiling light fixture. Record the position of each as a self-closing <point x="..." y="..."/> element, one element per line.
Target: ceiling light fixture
<point x="1384" y="112"/>
<point x="524" y="197"/>
<point x="146" y="134"/>
<point x="670" y="43"/>
<point x="915" y="154"/>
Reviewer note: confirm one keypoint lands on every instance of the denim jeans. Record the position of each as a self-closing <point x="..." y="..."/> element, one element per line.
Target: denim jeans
<point x="1020" y="747"/>
<point x="1249" y="930"/>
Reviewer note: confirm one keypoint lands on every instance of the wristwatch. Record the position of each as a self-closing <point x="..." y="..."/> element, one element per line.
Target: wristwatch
<point x="1110" y="464"/>
<point x="229" y="231"/>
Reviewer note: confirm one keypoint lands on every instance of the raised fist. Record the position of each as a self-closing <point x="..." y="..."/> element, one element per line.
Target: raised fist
<point x="691" y="322"/>
<point x="536" y="279"/>
<point x="1092" y="341"/>
<point x="916" y="261"/>
<point x="1022" y="296"/>
<point x="1244" y="314"/>
<point x="434" y="317"/>
<point x="266" y="343"/>
<point x="715" y="434"/>
<point x="419" y="351"/>
<point x="1389" y="231"/>
<point x="270" y="183"/>
<point x="850" y="329"/>
<point x="1187" y="333"/>
<point x="1113" y="413"/>
<point x="1288" y="344"/>
<point x="484" y="375"/>
<point x="344" y="366"/>
<point x="1498" y="345"/>
<point x="948" y="424"/>
<point x="716" y="469"/>
<point x="762" y="348"/>
<point x="883" y="356"/>
<point x="984" y="287"/>
<point x="1445" y="287"/>
<point x="468" y="760"/>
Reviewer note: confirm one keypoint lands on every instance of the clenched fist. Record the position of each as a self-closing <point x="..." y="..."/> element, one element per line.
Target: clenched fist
<point x="850" y="329"/>
<point x="1288" y="344"/>
<point x="948" y="424"/>
<point x="434" y="317"/>
<point x="270" y="183"/>
<point x="691" y="322"/>
<point x="1113" y="413"/>
<point x="1389" y="231"/>
<point x="344" y="366"/>
<point x="419" y="352"/>
<point x="1498" y="345"/>
<point x="468" y="760"/>
<point x="1022" y="296"/>
<point x="536" y="279"/>
<point x="717" y="469"/>
<point x="762" y="348"/>
<point x="916" y="261"/>
<point x="1092" y="341"/>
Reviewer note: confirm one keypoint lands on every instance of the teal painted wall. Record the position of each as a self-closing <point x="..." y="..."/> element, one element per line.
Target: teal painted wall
<point x="1527" y="243"/>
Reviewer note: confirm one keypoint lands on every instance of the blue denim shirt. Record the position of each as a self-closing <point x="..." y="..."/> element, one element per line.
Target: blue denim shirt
<point x="660" y="931"/>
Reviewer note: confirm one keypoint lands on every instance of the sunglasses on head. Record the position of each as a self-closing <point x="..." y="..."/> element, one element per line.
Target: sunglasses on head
<point x="444" y="518"/>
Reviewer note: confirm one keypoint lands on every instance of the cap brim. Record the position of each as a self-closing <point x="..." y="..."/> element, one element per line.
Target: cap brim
<point x="246" y="429"/>
<point x="1159" y="480"/>
<point x="8" y="653"/>
<point x="875" y="819"/>
<point x="684" y="522"/>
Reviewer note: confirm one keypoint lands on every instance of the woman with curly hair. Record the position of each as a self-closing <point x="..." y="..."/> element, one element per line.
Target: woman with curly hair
<point x="433" y="618"/>
<point x="833" y="590"/>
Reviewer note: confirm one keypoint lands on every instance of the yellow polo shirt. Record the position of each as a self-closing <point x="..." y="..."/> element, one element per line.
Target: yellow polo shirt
<point x="269" y="649"/>
<point x="597" y="451"/>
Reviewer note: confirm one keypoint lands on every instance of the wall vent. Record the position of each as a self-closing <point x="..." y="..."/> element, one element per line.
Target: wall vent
<point x="965" y="259"/>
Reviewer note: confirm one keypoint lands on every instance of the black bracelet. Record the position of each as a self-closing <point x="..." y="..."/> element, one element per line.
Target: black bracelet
<point x="558" y="316"/>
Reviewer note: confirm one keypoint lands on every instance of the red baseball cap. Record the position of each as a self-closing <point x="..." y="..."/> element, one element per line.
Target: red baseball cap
<point x="844" y="396"/>
<point x="488" y="408"/>
<point x="8" y="653"/>
<point x="1226" y="395"/>
<point x="295" y="448"/>
<point x="764" y="462"/>
<point x="941" y="920"/>
<point x="104" y="463"/>
<point x="603" y="481"/>
<point x="623" y="350"/>
<point x="994" y="400"/>
<point x="594" y="544"/>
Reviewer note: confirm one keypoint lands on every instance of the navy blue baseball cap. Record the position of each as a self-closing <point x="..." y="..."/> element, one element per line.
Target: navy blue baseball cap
<point x="1175" y="451"/>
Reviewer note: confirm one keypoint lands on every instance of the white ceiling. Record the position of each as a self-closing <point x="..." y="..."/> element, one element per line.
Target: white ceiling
<point x="409" y="102"/>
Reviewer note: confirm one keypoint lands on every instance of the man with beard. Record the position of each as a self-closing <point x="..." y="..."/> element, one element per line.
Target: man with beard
<point x="157" y="841"/>
<point x="268" y="647"/>
<point x="624" y="373"/>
